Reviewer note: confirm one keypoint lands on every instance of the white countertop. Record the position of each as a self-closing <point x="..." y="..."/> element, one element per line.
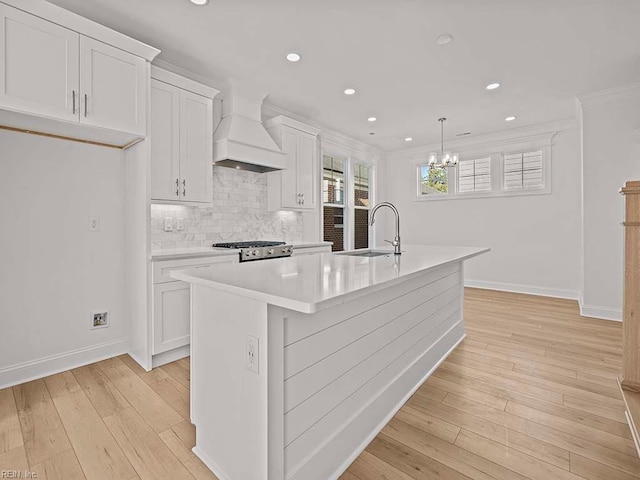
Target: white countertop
<point x="309" y="283"/>
<point x="195" y="252"/>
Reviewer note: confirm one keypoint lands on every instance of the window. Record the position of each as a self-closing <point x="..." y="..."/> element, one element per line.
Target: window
<point x="523" y="170"/>
<point x="347" y="196"/>
<point x="433" y="180"/>
<point x="474" y="175"/>
<point x="361" y="206"/>
<point x="333" y="201"/>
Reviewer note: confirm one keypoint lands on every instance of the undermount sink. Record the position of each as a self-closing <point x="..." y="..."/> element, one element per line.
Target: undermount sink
<point x="370" y="253"/>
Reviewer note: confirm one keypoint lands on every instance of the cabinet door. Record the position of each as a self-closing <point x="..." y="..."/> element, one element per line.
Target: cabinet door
<point x="113" y="87"/>
<point x="196" y="147"/>
<point x="171" y="311"/>
<point x="290" y="192"/>
<point x="38" y="65"/>
<point x="306" y="170"/>
<point x="165" y="141"/>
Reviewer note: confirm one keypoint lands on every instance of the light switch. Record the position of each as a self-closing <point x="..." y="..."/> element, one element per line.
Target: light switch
<point x="94" y="224"/>
<point x="168" y="224"/>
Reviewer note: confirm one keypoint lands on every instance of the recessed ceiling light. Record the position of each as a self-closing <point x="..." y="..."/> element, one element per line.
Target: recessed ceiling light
<point x="349" y="91"/>
<point x="199" y="2"/>
<point x="493" y="86"/>
<point x="444" y="39"/>
<point x="293" y="57"/>
<point x="510" y="118"/>
<point x="372" y="119"/>
<point x="408" y="139"/>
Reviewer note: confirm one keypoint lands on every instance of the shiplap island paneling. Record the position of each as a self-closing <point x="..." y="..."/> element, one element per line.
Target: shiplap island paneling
<point x="334" y="363"/>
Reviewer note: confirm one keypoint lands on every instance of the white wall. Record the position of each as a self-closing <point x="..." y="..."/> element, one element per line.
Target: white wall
<point x="54" y="271"/>
<point x="534" y="239"/>
<point x="611" y="156"/>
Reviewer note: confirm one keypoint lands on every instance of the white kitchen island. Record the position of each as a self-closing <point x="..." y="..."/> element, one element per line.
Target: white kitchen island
<point x="339" y="344"/>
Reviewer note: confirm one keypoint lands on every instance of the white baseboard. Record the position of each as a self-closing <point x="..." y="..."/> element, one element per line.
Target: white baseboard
<point x="211" y="465"/>
<point x="163" y="358"/>
<point x="604" y="313"/>
<point x="526" y="289"/>
<point x="43" y="367"/>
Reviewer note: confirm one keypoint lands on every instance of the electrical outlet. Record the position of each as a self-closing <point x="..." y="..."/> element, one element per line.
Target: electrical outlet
<point x="253" y="354"/>
<point x="99" y="319"/>
<point x="179" y="224"/>
<point x="94" y="224"/>
<point x="168" y="224"/>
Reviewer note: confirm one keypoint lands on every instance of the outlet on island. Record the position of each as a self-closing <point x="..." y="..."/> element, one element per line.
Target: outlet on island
<point x="253" y="352"/>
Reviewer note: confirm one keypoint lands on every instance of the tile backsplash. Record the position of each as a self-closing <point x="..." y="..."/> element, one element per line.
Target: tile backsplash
<point x="239" y="212"/>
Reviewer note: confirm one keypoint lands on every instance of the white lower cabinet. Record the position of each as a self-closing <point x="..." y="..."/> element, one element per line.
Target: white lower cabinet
<point x="172" y="303"/>
<point x="171" y="316"/>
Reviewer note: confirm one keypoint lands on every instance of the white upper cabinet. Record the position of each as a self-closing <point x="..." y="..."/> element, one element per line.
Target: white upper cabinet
<point x="38" y="65"/>
<point x="289" y="191"/>
<point x="295" y="187"/>
<point x="113" y="87"/>
<point x="49" y="72"/>
<point x="196" y="146"/>
<point x="181" y="139"/>
<point x="165" y="141"/>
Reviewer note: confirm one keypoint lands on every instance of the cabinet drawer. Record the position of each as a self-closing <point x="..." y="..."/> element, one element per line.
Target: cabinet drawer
<point x="163" y="268"/>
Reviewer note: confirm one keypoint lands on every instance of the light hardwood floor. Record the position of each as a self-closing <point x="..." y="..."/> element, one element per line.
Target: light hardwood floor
<point x="530" y="393"/>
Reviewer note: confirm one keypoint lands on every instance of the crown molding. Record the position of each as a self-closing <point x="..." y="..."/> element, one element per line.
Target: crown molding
<point x="170" y="67"/>
<point x="540" y="134"/>
<point x="334" y="140"/>
<point x="171" y="78"/>
<point x="622" y="92"/>
<point x="291" y="122"/>
<point x="72" y="21"/>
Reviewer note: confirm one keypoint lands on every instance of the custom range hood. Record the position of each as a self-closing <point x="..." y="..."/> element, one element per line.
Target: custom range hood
<point x="241" y="141"/>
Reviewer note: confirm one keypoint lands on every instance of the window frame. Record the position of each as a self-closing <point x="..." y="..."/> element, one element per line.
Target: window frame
<point x="497" y="153"/>
<point x="356" y="163"/>
<point x="349" y="195"/>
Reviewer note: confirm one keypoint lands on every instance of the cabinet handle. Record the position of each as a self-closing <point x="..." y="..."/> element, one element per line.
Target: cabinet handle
<point x="177" y="187"/>
<point x="184" y="188"/>
<point x="73" y="94"/>
<point x="86" y="101"/>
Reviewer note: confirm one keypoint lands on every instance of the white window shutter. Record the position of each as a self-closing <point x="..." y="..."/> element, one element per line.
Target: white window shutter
<point x="523" y="170"/>
<point x="474" y="175"/>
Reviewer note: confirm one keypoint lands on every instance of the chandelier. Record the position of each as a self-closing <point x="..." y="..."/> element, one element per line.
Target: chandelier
<point x="442" y="159"/>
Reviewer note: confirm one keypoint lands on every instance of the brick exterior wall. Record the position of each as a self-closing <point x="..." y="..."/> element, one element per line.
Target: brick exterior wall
<point x="361" y="239"/>
<point x="331" y="233"/>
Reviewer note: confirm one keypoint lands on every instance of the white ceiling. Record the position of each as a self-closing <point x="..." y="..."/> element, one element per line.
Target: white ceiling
<point x="544" y="52"/>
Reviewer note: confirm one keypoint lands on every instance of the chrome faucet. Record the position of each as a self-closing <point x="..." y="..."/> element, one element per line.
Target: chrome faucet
<point x="396" y="241"/>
